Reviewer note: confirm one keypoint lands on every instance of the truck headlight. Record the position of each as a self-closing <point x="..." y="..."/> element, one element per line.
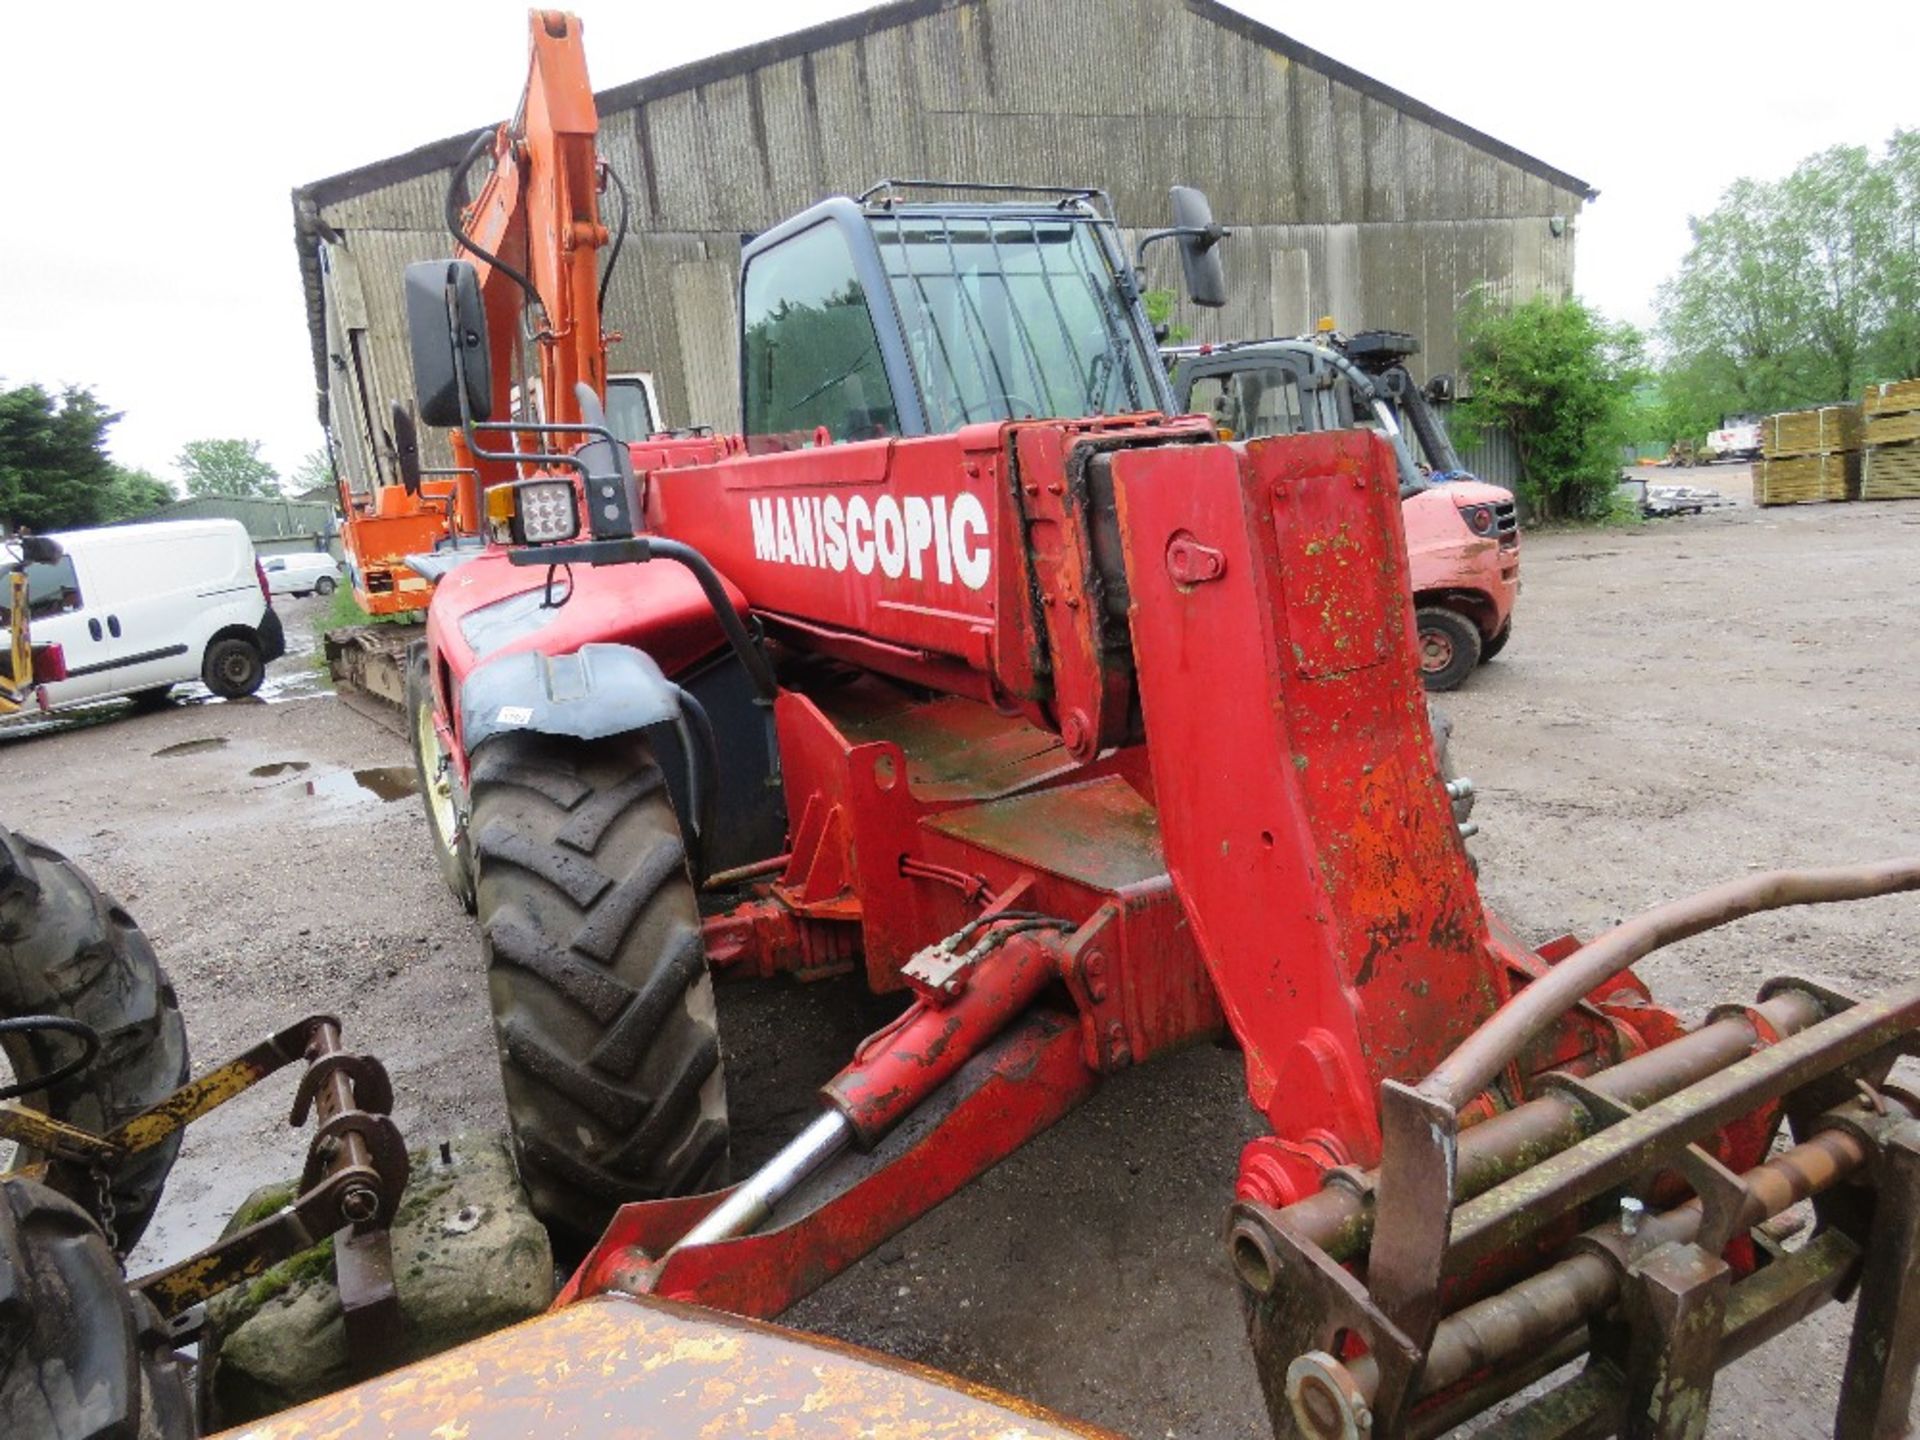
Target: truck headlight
<point x="544" y="512"/>
<point x="1480" y="518"/>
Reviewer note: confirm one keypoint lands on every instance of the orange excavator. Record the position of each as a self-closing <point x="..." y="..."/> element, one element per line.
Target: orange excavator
<point x="534" y="237"/>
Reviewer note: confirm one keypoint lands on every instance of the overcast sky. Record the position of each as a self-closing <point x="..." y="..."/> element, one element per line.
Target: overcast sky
<point x="146" y="238"/>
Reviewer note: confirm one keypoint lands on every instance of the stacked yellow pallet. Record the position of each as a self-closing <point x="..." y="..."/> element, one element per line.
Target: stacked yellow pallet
<point x="1809" y="455"/>
<point x="1892" y="469"/>
<point x="1820" y="431"/>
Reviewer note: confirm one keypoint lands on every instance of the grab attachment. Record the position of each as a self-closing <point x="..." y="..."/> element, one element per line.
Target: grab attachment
<point x="1475" y="1283"/>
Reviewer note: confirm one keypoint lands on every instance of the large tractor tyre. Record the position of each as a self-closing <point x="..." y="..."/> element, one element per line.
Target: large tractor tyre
<point x="440" y="790"/>
<point x="602" y="1007"/>
<point x="1449" y="647"/>
<point x="1498" y="643"/>
<point x="81" y="1357"/>
<point x="68" y="950"/>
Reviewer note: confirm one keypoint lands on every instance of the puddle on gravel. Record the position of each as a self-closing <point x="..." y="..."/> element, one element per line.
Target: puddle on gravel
<point x="303" y="684"/>
<point x="385" y="783"/>
<point x="279" y="767"/>
<point x="299" y="684"/>
<point x="191" y="747"/>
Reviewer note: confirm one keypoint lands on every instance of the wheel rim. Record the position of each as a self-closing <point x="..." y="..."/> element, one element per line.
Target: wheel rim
<point x="236" y="669"/>
<point x="1436" y="651"/>
<point x="437" y="774"/>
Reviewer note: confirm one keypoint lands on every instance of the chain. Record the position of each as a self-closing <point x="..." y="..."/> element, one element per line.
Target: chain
<point x="104" y="1209"/>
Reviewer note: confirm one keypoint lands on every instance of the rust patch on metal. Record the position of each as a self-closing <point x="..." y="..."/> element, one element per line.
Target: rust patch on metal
<point x="640" y="1368"/>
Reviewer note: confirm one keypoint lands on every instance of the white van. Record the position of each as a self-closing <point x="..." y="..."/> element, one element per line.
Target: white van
<point x="138" y="609"/>
<point x="301" y="574"/>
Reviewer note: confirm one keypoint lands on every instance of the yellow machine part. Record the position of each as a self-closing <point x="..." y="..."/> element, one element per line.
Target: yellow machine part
<point x="622" y="1368"/>
<point x="18" y="680"/>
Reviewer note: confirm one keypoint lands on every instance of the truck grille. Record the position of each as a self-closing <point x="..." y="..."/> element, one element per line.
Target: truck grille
<point x="1506" y="522"/>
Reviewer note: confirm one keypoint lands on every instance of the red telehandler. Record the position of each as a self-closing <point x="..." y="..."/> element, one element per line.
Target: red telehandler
<point x="971" y="668"/>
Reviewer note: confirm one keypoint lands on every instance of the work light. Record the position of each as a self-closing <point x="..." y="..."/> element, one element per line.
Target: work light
<point x="544" y="512"/>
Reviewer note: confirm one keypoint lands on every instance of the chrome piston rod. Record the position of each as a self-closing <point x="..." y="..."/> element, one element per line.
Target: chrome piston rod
<point x="742" y="1211"/>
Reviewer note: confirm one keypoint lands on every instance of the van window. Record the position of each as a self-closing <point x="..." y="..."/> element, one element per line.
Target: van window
<point x="272" y="565"/>
<point x="52" y="589"/>
<point x="812" y="358"/>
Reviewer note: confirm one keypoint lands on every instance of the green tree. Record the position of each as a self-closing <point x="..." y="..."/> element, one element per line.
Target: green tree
<point x="227" y="467"/>
<point x="314" y="470"/>
<point x="1560" y="379"/>
<point x="53" y="457"/>
<point x="1798" y="291"/>
<point x="1894" y="351"/>
<point x="131" y="493"/>
<point x="1159" y="305"/>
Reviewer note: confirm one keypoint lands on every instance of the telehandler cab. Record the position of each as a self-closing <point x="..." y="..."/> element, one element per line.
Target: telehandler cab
<point x="971" y="668"/>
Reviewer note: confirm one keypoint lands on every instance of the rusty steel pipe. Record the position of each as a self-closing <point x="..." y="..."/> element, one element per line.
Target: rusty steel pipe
<point x="1339" y="1219"/>
<point x="1478" y="1060"/>
<point x="1540" y="1310"/>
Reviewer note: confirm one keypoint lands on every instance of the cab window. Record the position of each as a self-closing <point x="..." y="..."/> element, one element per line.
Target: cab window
<point x="629" y="415"/>
<point x="812" y="359"/>
<point x="52" y="589"/>
<point x="1250" y="402"/>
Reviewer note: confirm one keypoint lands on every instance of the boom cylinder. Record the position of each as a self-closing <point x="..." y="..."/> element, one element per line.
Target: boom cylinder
<point x="894" y="1073"/>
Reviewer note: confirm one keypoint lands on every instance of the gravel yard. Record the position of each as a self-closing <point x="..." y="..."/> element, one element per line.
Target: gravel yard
<point x="1683" y="701"/>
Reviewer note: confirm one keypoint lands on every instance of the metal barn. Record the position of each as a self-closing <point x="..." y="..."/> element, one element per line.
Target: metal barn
<point x="1347" y="197"/>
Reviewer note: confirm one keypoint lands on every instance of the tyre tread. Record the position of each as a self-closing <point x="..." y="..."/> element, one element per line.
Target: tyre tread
<point x="602" y="1003"/>
<point x="67" y="948"/>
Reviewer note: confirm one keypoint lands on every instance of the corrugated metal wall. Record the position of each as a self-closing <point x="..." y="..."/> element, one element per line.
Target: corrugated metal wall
<point x="1343" y="204"/>
<point x="276" y="527"/>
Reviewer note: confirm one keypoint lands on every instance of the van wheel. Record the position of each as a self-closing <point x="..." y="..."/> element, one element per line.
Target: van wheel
<point x="603" y="1010"/>
<point x="324" y="585"/>
<point x="233" y="668"/>
<point x="1498" y="643"/>
<point x="1449" y="647"/>
<point x="440" y="790"/>
<point x="67" y="950"/>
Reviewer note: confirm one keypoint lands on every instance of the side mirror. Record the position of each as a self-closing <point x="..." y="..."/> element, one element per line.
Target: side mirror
<point x="406" y="448"/>
<point x="1440" y="389"/>
<point x="39" y="549"/>
<point x="1199" y="237"/>
<point x="447" y="333"/>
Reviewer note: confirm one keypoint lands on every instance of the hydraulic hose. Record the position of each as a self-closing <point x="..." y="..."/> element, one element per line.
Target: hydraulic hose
<point x="1479" y="1059"/>
<point x="456" y="193"/>
<point x="619" y="240"/>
